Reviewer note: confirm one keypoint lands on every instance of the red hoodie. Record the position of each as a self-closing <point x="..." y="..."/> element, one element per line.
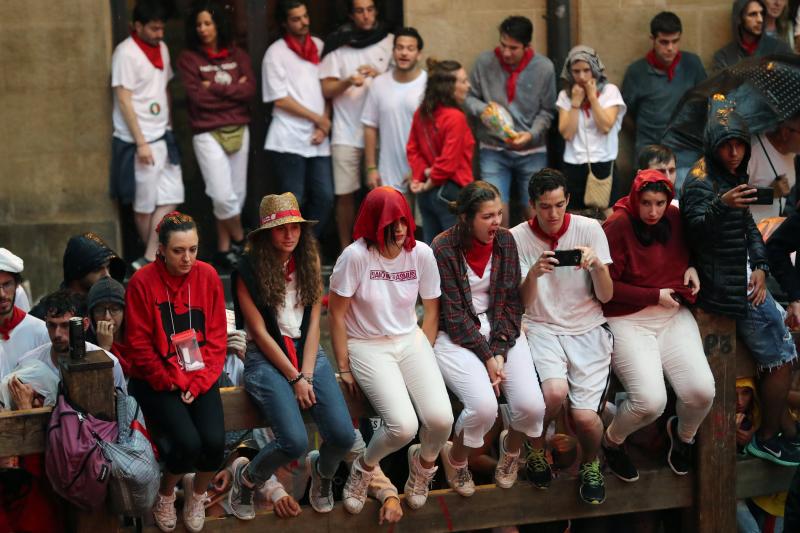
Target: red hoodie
<point x="148" y="325"/>
<point x="445" y="146"/>
<point x="640" y="272"/>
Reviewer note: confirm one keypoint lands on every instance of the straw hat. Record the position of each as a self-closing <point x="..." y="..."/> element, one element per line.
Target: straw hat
<point x="279" y="209"/>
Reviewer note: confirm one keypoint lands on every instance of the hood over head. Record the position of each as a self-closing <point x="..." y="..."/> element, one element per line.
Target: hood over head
<point x="736" y="17"/>
<point x="86" y="253"/>
<point x="643" y="177"/>
<point x="723" y="124"/>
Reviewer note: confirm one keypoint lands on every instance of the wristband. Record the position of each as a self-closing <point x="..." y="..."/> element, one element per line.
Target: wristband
<point x="370" y="169"/>
<point x="345" y="372"/>
<point x="297" y="378"/>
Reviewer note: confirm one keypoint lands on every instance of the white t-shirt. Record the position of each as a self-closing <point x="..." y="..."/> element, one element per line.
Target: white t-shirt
<point x="290" y="315"/>
<point x="284" y="73"/>
<point x="565" y="303"/>
<point x="28" y="334"/>
<point x="131" y="69"/>
<point x="42" y="353"/>
<point x="384" y="291"/>
<point x="602" y="146"/>
<point x="761" y="174"/>
<point x="21" y="299"/>
<point x="341" y="64"/>
<point x="390" y="108"/>
<point x="479" y="287"/>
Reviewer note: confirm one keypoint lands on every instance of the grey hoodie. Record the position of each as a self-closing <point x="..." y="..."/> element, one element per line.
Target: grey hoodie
<point x="732" y="53"/>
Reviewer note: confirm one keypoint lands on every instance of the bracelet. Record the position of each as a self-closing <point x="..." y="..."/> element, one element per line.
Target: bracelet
<point x="345" y="372"/>
<point x="297" y="378"/>
<point x="370" y="169"/>
<point x="309" y="379"/>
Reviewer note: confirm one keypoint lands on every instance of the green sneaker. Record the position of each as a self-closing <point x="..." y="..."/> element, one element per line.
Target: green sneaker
<point x="593" y="486"/>
<point x="538" y="469"/>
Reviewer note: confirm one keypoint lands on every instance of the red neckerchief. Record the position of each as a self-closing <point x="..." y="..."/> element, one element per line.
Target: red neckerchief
<point x="478" y="255"/>
<point x="653" y="61"/>
<point x="552" y="240"/>
<point x="153" y="52"/>
<point x="586" y="106"/>
<point x="222" y="53"/>
<point x="290" y="268"/>
<point x="307" y="49"/>
<point x="291" y="352"/>
<point x="8" y="325"/>
<point x="749" y="48"/>
<point x="513" y="73"/>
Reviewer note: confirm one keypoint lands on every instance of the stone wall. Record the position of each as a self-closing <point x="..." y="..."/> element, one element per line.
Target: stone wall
<point x="54" y="130"/>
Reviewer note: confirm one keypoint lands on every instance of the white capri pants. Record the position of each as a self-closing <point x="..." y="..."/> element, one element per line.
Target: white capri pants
<point x="465" y="374"/>
<point x="646" y="342"/>
<point x="225" y="174"/>
<point x="158" y="184"/>
<point x="400" y="378"/>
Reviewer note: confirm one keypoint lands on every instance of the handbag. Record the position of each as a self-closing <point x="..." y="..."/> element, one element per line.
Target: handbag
<point x="448" y="192"/>
<point x="229" y="137"/>
<point x="598" y="191"/>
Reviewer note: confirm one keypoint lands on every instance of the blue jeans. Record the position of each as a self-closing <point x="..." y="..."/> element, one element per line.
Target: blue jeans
<point x="310" y="179"/>
<point x="436" y="216"/>
<point x="275" y="399"/>
<point x="506" y="169"/>
<point x="764" y="332"/>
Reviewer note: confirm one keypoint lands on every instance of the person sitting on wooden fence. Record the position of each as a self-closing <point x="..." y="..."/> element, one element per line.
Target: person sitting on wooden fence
<point x="478" y="348"/>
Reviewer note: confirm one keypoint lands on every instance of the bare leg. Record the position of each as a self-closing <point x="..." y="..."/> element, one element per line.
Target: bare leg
<point x="589" y="431"/>
<point x="773" y="388"/>
<point x="201" y="481"/>
<point x="345" y="218"/>
<point x="555" y="392"/>
<point x="459" y="452"/>
<point x="227" y="230"/>
<point x="151" y="241"/>
<point x="168" y="482"/>
<point x="514" y="440"/>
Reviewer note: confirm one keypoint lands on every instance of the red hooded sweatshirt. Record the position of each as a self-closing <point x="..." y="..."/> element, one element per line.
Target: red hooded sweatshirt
<point x="149" y="325"/>
<point x="640" y="272"/>
<point x="444" y="145"/>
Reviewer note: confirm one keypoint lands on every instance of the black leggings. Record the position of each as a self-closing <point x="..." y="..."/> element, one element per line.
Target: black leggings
<point x="191" y="438"/>
<point x="576" y="180"/>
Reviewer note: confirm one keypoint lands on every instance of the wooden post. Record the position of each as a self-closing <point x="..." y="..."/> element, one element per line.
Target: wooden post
<point x="716" y="448"/>
<point x="89" y="383"/>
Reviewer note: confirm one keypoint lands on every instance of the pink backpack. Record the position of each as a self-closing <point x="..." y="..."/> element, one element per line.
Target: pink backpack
<point x="74" y="460"/>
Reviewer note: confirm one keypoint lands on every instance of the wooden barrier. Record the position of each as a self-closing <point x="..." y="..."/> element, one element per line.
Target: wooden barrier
<point x="708" y="492"/>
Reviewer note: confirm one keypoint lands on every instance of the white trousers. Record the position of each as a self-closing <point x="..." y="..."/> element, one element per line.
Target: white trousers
<point x="225" y="174"/>
<point x="465" y="375"/>
<point x="400" y="378"/>
<point x="651" y="344"/>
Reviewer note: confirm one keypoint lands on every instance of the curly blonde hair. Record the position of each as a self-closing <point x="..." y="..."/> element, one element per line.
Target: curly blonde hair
<point x="269" y="271"/>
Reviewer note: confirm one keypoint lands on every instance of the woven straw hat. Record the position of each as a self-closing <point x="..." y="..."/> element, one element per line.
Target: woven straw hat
<point x="279" y="209"/>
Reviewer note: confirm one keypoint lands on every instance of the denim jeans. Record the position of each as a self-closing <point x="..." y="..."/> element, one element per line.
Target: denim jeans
<point x="310" y="179"/>
<point x="436" y="216"/>
<point x="764" y="332"/>
<point x="506" y="169"/>
<point x="275" y="398"/>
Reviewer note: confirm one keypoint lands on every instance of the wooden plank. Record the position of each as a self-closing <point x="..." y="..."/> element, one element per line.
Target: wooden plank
<point x="90" y="384"/>
<point x="488" y="507"/>
<point x="22" y="432"/>
<point x="716" y="448"/>
<point x="756" y="477"/>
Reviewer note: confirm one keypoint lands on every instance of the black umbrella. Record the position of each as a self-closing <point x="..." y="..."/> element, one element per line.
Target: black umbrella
<point x="765" y="92"/>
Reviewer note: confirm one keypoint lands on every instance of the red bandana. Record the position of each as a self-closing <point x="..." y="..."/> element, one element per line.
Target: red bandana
<point x="586" y="106"/>
<point x="291" y="352"/>
<point x="222" y="53"/>
<point x="653" y="61"/>
<point x="478" y="255"/>
<point x="8" y="325"/>
<point x="153" y="52"/>
<point x="749" y="48"/>
<point x="513" y="73"/>
<point x="290" y="268"/>
<point x="552" y="240"/>
<point x="307" y="49"/>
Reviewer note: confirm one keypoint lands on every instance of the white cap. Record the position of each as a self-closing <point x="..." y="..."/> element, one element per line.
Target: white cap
<point x="9" y="262"/>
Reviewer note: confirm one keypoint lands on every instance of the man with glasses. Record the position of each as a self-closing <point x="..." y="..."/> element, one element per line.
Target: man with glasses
<point x="772" y="165"/>
<point x="106" y="305"/>
<point x="19" y="331"/>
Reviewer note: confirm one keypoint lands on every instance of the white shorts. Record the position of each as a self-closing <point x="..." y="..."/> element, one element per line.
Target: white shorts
<point x="158" y="184"/>
<point x="582" y="360"/>
<point x="346" y="168"/>
<point x="225" y="174"/>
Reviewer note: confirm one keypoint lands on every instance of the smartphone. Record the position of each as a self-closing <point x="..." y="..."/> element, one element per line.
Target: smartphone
<point x="568" y="257"/>
<point x="764" y="196"/>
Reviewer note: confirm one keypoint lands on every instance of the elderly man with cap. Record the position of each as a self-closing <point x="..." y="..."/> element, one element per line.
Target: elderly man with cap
<point x="19" y="331"/>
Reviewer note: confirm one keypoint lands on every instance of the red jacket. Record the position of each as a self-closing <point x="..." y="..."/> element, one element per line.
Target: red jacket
<point x="225" y="101"/>
<point x="148" y="325"/>
<point x="446" y="147"/>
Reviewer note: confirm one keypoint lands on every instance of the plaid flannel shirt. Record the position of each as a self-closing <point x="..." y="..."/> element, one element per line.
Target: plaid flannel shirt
<point x="458" y="317"/>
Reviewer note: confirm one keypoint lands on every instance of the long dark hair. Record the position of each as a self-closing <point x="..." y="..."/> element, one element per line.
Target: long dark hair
<point x="440" y="87"/>
<point x="661" y="231"/>
<point x="270" y="273"/>
<point x="466" y="207"/>
<point x="221" y="20"/>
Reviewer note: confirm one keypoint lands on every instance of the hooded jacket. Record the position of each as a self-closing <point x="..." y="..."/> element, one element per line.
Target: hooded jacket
<point x="720" y="237"/>
<point x="733" y="52"/>
<point x="639" y="272"/>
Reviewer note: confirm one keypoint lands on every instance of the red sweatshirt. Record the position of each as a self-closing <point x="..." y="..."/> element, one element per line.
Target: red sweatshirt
<point x="640" y="272"/>
<point x="225" y="101"/>
<point x="148" y="325"/>
<point x="445" y="147"/>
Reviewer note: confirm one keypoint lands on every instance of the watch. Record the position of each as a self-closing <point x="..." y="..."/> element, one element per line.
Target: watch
<point x="762" y="266"/>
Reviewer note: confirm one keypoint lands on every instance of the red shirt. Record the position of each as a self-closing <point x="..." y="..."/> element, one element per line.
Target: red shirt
<point x="445" y="146"/>
<point x="149" y="325"/>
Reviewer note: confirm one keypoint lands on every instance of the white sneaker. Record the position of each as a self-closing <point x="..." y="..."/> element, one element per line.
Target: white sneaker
<point x="320" y="495"/>
<point x="419" y="479"/>
<point x="164" y="513"/>
<point x="240" y="497"/>
<point x="194" y="506"/>
<point x="458" y="477"/>
<point x="505" y="475"/>
<point x="354" y="493"/>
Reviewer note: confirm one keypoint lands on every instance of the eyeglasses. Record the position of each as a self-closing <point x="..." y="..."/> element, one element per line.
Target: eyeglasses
<point x="8" y="286"/>
<point x="113" y="310"/>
